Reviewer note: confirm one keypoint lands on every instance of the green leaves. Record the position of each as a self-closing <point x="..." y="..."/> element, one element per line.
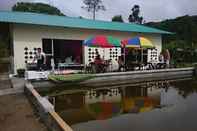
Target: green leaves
<point x="183" y="44"/>
<point x="93" y="6"/>
<point x="36" y="8"/>
<point x="117" y="18"/>
<point x="134" y="16"/>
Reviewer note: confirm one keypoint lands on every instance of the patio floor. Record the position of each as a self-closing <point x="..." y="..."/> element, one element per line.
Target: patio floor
<point x="17" y="114"/>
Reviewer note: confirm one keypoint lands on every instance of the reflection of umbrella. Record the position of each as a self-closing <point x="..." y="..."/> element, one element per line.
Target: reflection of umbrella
<point x="102" y="41"/>
<point x="137" y="104"/>
<point x="104" y="110"/>
<point x="139" y="42"/>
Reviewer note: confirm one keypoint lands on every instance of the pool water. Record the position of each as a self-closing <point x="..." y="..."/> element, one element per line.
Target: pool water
<point x="157" y="106"/>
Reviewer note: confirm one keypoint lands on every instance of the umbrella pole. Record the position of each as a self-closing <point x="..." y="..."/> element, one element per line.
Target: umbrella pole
<point x="103" y="53"/>
<point x="142" y="55"/>
<point x="124" y="58"/>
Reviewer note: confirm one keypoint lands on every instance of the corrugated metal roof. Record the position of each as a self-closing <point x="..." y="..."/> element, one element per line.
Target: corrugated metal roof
<point x="63" y="21"/>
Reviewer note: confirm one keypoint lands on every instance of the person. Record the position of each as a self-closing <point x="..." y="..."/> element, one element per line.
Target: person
<point x="161" y="58"/>
<point x="98" y="63"/>
<point x="98" y="59"/>
<point x="167" y="58"/>
<point x="77" y="60"/>
<point x="68" y="60"/>
<point x="160" y="65"/>
<point x="52" y="64"/>
<point x="41" y="59"/>
<point x="132" y="55"/>
<point x="120" y="63"/>
<point x="131" y="59"/>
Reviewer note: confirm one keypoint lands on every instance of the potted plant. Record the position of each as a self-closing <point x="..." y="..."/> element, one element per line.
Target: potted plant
<point x="21" y="72"/>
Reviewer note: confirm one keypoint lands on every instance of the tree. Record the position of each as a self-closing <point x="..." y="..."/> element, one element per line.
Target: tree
<point x="37" y="8"/>
<point x="185" y="29"/>
<point x="93" y="6"/>
<point x="117" y="18"/>
<point x="134" y="16"/>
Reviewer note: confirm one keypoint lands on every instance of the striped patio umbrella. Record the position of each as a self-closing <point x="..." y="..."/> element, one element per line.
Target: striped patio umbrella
<point x="137" y="42"/>
<point x="102" y="41"/>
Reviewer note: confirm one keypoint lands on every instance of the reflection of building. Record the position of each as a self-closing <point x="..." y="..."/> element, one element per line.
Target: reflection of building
<point x="106" y="103"/>
<point x="103" y="95"/>
<point x="69" y="101"/>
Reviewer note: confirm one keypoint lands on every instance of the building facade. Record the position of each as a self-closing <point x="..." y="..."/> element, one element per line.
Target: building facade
<point x="31" y="36"/>
<point x="32" y="31"/>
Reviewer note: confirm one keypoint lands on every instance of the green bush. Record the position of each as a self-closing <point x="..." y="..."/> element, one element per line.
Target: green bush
<point x="21" y="72"/>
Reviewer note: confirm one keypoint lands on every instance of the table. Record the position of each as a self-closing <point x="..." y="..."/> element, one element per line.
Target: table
<point x="158" y="65"/>
<point x="70" y="66"/>
<point x="31" y="66"/>
<point x="100" y="66"/>
<point x="133" y="64"/>
<point x="161" y="65"/>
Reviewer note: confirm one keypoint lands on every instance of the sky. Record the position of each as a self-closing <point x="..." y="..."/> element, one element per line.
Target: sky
<point x="151" y="10"/>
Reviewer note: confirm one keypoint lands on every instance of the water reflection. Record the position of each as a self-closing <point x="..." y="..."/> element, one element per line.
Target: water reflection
<point x="104" y="103"/>
<point x="186" y="88"/>
<point x="163" y="106"/>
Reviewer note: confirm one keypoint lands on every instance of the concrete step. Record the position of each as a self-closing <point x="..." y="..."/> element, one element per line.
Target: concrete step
<point x="5" y="84"/>
<point x="12" y="86"/>
<point x="10" y="91"/>
<point x="4" y="76"/>
<point x="5" y="81"/>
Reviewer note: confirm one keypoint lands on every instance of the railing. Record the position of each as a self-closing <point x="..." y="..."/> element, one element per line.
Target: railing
<point x="108" y="79"/>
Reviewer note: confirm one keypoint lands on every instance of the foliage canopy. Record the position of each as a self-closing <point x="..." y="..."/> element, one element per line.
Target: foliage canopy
<point x="37" y="8"/>
<point x="93" y="6"/>
<point x="117" y="18"/>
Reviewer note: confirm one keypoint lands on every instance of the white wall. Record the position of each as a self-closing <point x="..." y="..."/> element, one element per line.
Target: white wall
<point x="31" y="36"/>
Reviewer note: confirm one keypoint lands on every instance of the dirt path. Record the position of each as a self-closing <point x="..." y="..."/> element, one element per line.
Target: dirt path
<point x="16" y="114"/>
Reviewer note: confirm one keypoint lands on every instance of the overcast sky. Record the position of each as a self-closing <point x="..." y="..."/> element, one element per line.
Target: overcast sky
<point x="151" y="10"/>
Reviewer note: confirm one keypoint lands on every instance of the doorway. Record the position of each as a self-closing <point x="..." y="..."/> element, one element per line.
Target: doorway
<point x="60" y="49"/>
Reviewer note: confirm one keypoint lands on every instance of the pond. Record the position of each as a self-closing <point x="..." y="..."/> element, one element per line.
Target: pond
<point x="152" y="106"/>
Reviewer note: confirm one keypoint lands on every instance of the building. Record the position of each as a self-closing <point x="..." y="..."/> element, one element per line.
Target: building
<point x="61" y="36"/>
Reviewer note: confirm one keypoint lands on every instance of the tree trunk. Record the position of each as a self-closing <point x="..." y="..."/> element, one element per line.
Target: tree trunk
<point x="94" y="12"/>
<point x="94" y="15"/>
